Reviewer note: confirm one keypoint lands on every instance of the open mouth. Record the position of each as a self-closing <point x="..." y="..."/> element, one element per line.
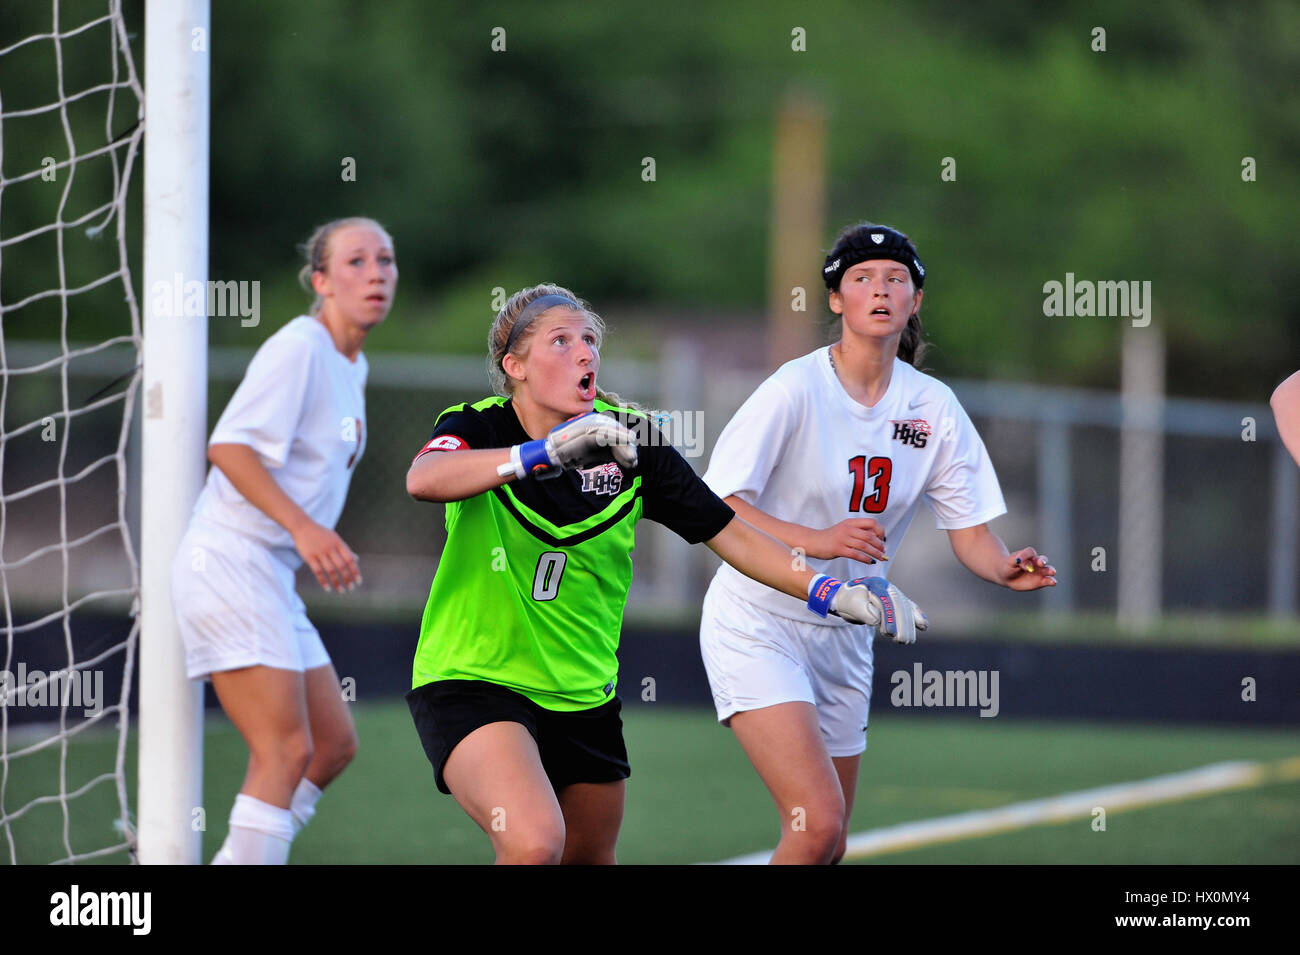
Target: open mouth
<point x="880" y="311"/>
<point x="587" y="386"/>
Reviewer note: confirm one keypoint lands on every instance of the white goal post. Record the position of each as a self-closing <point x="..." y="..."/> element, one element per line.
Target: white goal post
<point x="174" y="421"/>
<point x="78" y="611"/>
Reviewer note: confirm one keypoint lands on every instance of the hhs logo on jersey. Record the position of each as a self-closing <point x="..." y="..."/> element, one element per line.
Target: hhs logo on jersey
<point x="604" y="479"/>
<point x="913" y="431"/>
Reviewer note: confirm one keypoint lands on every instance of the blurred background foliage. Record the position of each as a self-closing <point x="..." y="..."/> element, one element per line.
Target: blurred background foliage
<point x="507" y="168"/>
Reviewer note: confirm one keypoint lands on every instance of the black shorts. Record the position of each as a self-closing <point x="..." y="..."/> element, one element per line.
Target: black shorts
<point x="577" y="746"/>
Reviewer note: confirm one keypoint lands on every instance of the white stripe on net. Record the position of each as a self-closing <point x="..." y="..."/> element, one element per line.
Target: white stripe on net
<point x="47" y="800"/>
<point x="62" y="799"/>
<point x="68" y="164"/>
<point x="116" y="832"/>
<point x="65" y="417"/>
<point x="60" y="482"/>
<point x="75" y="605"/>
<point x="88" y="725"/>
<point x="51" y="548"/>
<point x="43" y="741"/>
<point x="35" y="37"/>
<point x="64" y="357"/>
<point x="62" y="104"/>
<point x="108" y="207"/>
<point x="62" y="294"/>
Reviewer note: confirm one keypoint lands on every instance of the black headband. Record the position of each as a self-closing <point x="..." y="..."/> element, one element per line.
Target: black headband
<point x="534" y="308"/>
<point x="871" y="242"/>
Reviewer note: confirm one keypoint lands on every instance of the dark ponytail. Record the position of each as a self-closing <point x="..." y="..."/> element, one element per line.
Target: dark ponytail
<point x="911" y="346"/>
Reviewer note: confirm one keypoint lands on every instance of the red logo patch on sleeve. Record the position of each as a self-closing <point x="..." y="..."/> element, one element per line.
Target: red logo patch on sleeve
<point x="446" y="442"/>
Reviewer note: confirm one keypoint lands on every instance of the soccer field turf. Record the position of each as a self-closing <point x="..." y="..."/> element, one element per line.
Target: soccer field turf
<point x="694" y="798"/>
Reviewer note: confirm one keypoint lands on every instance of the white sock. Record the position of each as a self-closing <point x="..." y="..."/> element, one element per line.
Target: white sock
<point x="259" y="834"/>
<point x="303" y="805"/>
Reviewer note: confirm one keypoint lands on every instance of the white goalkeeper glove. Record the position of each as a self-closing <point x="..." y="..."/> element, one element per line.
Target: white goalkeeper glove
<point x="873" y="601"/>
<point x="581" y="442"/>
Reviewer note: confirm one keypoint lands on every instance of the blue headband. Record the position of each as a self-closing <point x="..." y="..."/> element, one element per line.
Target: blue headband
<point x="534" y="308"/>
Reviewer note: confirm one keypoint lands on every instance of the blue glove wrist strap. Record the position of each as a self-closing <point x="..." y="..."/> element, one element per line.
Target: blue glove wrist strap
<point x="533" y="456"/>
<point x="821" y="592"/>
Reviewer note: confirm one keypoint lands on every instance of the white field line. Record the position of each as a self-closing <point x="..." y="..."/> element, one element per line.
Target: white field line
<point x="1054" y="809"/>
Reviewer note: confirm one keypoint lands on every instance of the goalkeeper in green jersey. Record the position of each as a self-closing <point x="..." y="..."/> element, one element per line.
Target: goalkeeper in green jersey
<point x="515" y="673"/>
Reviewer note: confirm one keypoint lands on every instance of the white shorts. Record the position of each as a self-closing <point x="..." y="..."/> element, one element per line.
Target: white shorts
<point x="755" y="658"/>
<point x="236" y="605"/>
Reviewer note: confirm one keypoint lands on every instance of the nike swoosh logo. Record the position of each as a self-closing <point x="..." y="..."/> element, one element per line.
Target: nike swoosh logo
<point x="916" y="404"/>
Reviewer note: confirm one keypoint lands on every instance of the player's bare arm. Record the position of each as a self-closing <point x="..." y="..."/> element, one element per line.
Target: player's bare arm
<point x="873" y="601"/>
<point x="985" y="555"/>
<point x="1286" y="412"/>
<point x="761" y="556"/>
<point x="858" y="538"/>
<point x="581" y="442"/>
<point x="330" y="559"/>
<point x="444" y="476"/>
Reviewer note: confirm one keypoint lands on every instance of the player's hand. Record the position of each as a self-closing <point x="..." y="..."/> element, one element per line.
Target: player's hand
<point x="330" y="559"/>
<point x="858" y="538"/>
<point x="591" y="439"/>
<point x="581" y="442"/>
<point x="1027" y="570"/>
<point x="876" y="602"/>
<point x="873" y="601"/>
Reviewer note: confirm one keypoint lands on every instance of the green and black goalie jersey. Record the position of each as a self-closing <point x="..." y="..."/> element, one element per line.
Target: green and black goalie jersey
<point x="530" y="590"/>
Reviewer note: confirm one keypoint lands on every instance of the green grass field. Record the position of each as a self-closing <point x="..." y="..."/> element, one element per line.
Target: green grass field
<point x="693" y="797"/>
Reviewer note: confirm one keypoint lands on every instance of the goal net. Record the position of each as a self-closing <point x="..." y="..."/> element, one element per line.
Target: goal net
<point x="71" y="125"/>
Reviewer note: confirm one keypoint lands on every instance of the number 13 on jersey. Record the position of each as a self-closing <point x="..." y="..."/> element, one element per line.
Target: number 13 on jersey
<point x="877" y="471"/>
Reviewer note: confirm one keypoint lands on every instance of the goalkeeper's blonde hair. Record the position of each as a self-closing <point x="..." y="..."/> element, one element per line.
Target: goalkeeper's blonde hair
<point x="499" y="335"/>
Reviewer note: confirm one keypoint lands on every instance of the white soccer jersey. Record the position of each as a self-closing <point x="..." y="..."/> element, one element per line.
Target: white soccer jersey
<point x="805" y="452"/>
<point x="302" y="408"/>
